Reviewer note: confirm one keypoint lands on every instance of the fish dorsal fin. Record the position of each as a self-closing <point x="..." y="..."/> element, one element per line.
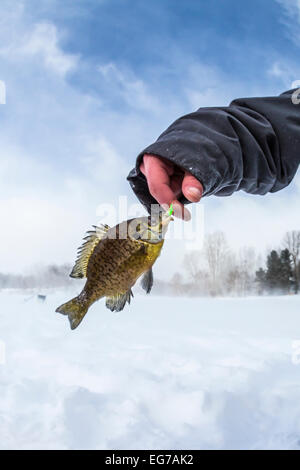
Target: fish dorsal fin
<point x="84" y="252"/>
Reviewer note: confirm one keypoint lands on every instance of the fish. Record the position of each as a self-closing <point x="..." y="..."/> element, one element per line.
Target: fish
<point x="112" y="260"/>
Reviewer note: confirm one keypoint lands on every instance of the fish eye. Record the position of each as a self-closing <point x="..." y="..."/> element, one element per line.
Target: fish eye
<point x="138" y="228"/>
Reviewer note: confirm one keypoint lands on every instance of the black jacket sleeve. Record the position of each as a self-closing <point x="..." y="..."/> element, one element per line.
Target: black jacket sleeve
<point x="253" y="145"/>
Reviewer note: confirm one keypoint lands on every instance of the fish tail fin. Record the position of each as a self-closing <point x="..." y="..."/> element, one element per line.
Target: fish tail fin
<point x="75" y="309"/>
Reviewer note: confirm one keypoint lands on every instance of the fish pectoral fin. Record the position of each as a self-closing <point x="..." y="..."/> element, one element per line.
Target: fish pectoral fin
<point x="147" y="281"/>
<point x="117" y="302"/>
<point x="85" y="251"/>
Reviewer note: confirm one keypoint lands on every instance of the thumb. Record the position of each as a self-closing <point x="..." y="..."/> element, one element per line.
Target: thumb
<point x="192" y="189"/>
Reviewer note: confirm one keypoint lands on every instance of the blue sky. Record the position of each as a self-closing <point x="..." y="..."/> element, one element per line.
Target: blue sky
<point x="143" y="34"/>
<point x="91" y="82"/>
<point x="154" y="38"/>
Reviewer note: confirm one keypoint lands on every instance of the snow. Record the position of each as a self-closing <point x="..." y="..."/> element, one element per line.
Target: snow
<point x="166" y="373"/>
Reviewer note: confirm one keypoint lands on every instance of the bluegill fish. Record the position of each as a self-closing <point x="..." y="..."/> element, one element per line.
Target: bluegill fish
<point x="112" y="259"/>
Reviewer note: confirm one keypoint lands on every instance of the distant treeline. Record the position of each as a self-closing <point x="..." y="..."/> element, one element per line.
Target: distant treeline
<point x="49" y="276"/>
<point x="216" y="270"/>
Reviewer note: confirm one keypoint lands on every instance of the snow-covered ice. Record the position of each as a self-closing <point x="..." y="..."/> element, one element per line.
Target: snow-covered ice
<point x="166" y="373"/>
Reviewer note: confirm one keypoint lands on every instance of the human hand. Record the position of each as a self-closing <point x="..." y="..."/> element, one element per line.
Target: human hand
<point x="167" y="182"/>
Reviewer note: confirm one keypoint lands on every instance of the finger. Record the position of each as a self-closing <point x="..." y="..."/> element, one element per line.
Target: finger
<point x="176" y="184"/>
<point x="168" y="166"/>
<point x="175" y="181"/>
<point x="158" y="179"/>
<point x="142" y="168"/>
<point x="192" y="188"/>
<point x="180" y="211"/>
<point x="164" y="187"/>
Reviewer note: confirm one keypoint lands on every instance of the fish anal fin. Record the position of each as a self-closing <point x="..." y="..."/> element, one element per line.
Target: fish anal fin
<point x="147" y="280"/>
<point x="84" y="252"/>
<point x="117" y="302"/>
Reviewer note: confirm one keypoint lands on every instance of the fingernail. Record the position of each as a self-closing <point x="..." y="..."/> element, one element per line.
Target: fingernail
<point x="195" y="193"/>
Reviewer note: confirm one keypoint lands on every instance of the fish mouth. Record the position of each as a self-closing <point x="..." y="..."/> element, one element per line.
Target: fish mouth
<point x="166" y="220"/>
<point x="158" y="230"/>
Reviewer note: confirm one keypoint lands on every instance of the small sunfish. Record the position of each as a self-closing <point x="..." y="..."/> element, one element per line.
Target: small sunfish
<point x="112" y="259"/>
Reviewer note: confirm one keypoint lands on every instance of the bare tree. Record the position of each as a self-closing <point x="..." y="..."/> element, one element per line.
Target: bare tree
<point x="216" y="253"/>
<point x="291" y="241"/>
<point x="196" y="267"/>
<point x="247" y="268"/>
<point x="192" y="264"/>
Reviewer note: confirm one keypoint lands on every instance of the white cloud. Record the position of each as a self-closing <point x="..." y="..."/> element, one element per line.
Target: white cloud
<point x="132" y="89"/>
<point x="41" y="43"/>
<point x="285" y="71"/>
<point x="292" y="7"/>
<point x="48" y="212"/>
<point x="102" y="160"/>
<point x="44" y="41"/>
<point x="291" y="18"/>
<point x="207" y="86"/>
